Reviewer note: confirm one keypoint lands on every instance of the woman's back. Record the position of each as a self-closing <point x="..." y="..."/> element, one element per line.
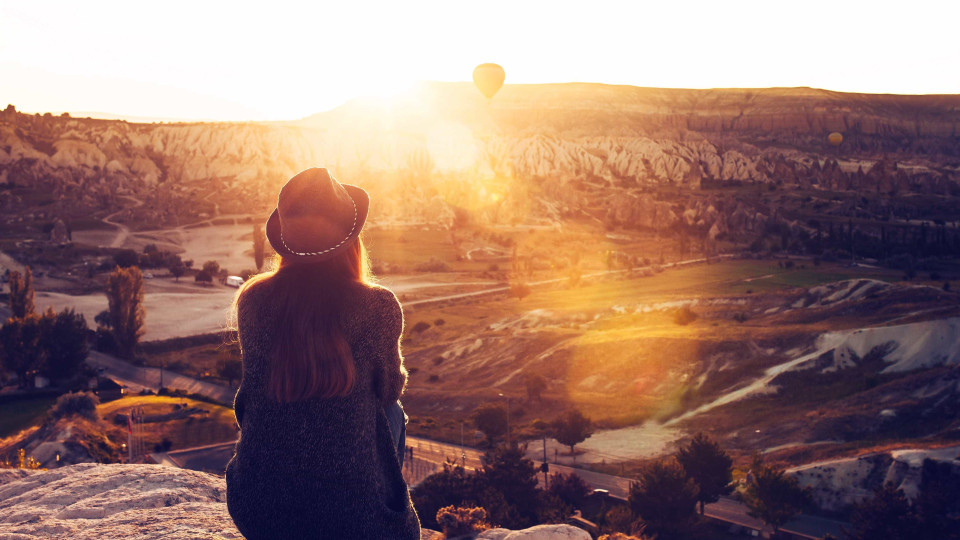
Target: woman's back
<point x="320" y="467"/>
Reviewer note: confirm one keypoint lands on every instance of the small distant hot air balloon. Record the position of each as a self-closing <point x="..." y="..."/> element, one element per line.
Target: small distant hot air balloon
<point x="488" y="78"/>
<point x="835" y="138"/>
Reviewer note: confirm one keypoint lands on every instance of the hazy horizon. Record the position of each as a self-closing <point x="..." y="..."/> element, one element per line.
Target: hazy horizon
<point x="115" y="115"/>
<point x="246" y="63"/>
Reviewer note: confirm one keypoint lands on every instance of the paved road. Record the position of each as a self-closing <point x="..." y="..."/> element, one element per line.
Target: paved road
<point x="495" y="290"/>
<point x="136" y="378"/>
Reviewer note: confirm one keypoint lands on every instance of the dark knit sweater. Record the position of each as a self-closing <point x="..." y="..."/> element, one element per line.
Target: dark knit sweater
<point x="321" y="468"/>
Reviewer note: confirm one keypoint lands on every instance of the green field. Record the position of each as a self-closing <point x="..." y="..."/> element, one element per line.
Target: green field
<point x="21" y="414"/>
<point x="217" y="424"/>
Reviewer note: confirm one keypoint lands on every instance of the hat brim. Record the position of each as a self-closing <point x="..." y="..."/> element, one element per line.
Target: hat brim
<point x="360" y="198"/>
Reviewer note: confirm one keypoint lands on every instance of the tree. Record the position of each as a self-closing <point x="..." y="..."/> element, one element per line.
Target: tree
<point x="937" y="506"/>
<point x="178" y="270"/>
<point x="203" y="277"/>
<point x="709" y="466"/>
<point x="772" y="495"/>
<point x="126" y="258"/>
<point x="76" y="403"/>
<point x="508" y="486"/>
<point x="21" y="293"/>
<point x="451" y="486"/>
<point x="20" y="346"/>
<point x="211" y="267"/>
<point x="571" y="429"/>
<point x="63" y="339"/>
<point x="888" y="515"/>
<point x="229" y="369"/>
<point x="259" y="239"/>
<point x="491" y="419"/>
<point x="664" y="498"/>
<point x="127" y="314"/>
<point x="103" y="319"/>
<point x="569" y="488"/>
<point x="535" y="384"/>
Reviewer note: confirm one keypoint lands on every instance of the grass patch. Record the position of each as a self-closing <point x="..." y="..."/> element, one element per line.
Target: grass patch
<point x="20" y="414"/>
<point x="210" y="424"/>
<point x="199" y="361"/>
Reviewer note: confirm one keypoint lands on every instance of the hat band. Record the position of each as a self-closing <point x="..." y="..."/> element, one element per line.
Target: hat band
<point x="349" y="234"/>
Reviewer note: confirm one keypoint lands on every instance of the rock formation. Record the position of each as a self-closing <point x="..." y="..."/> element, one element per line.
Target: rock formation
<point x="101" y="502"/>
<point x="603" y="144"/>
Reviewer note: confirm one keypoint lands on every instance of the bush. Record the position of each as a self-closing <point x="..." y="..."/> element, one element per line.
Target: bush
<point x="493" y="268"/>
<point x="457" y="521"/>
<point x="76" y="403"/>
<point x="420" y="327"/>
<point x="439" y="322"/>
<point x="684" y="316"/>
<point x="437" y="360"/>
<point x="433" y="265"/>
<point x="433" y="378"/>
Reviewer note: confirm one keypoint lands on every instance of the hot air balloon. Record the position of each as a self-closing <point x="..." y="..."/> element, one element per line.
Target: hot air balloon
<point x="835" y="138"/>
<point x="488" y="78"/>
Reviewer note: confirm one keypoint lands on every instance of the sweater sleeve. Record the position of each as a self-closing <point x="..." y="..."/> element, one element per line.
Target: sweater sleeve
<point x="390" y="375"/>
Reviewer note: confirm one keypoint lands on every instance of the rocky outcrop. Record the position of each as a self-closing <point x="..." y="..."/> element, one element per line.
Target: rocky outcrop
<point x="102" y="502"/>
<point x="598" y="142"/>
<point x="90" y="501"/>
<point x="837" y="484"/>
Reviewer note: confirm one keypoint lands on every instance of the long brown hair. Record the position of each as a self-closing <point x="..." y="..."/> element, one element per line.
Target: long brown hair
<point x="311" y="356"/>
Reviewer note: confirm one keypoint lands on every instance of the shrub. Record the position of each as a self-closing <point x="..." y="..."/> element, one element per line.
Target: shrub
<point x="519" y="290"/>
<point x="457" y="521"/>
<point x="493" y="268"/>
<point x="437" y="360"/>
<point x="420" y="327"/>
<point x="684" y="316"/>
<point x="740" y="317"/>
<point x="433" y="378"/>
<point x="76" y="403"/>
<point x="433" y="265"/>
<point x="439" y="322"/>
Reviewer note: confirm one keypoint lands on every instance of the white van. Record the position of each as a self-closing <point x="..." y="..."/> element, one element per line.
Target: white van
<point x="234" y="281"/>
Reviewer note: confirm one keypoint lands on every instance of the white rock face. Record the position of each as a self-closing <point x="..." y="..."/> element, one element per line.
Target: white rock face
<point x="839" y="483"/>
<point x="540" y="532"/>
<point x="89" y="501"/>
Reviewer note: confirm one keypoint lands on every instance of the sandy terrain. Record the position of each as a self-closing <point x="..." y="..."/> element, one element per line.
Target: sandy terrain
<point x="169" y="314"/>
<point x="647" y="440"/>
<point x="186" y="309"/>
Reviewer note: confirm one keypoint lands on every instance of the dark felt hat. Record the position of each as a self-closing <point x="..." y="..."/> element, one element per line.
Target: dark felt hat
<point x="316" y="216"/>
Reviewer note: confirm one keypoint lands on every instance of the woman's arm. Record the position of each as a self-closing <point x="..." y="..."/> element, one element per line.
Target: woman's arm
<point x="390" y="375"/>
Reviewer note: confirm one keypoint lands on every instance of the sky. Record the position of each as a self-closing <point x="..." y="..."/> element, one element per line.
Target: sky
<point x="238" y="60"/>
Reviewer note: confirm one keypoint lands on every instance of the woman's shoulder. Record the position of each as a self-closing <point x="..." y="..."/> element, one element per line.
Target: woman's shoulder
<point x="380" y="299"/>
<point x="379" y="304"/>
<point x="254" y="293"/>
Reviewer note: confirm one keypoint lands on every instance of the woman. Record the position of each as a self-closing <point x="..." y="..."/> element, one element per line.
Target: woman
<point x="322" y="373"/>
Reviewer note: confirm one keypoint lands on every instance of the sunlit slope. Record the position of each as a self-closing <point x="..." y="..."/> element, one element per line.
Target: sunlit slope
<point x="535" y="151"/>
<point x="622" y="351"/>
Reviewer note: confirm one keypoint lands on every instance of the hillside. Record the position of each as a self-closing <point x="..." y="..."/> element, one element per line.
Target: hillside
<point x="534" y="152"/>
